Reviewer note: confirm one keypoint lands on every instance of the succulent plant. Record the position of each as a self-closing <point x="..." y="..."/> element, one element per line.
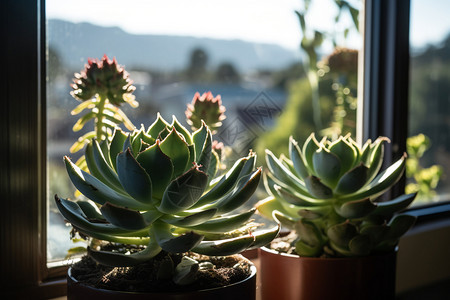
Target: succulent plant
<point x="155" y="187"/>
<point x="207" y="108"/>
<point x="102" y="87"/>
<point x="327" y="193"/>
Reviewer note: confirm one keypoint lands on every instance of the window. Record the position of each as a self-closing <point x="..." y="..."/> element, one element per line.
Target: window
<point x="254" y="63"/>
<point x="429" y="107"/>
<point x="23" y="226"/>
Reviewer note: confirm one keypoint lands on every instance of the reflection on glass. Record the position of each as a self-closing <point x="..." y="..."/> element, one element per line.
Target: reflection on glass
<point x="429" y="102"/>
<point x="250" y="56"/>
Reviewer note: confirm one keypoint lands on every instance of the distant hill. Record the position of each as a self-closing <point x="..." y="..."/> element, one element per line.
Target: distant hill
<point x="75" y="42"/>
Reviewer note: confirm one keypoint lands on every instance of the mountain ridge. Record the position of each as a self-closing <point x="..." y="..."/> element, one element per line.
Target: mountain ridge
<point x="159" y="52"/>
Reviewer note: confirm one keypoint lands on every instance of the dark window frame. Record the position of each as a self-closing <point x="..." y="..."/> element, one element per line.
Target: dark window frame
<point x="24" y="271"/>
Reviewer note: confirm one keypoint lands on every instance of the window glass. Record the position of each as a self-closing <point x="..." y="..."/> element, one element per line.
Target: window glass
<point x="429" y="101"/>
<point x="277" y="75"/>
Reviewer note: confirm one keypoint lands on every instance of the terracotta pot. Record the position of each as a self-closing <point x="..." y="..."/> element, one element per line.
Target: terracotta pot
<point x="245" y="289"/>
<point x="289" y="277"/>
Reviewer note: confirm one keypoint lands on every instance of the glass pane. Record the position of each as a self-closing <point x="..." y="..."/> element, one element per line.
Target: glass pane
<point x="429" y="102"/>
<point x="246" y="51"/>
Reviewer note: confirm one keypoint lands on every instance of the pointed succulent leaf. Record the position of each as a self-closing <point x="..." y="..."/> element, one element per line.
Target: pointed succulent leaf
<point x="186" y="271"/>
<point x="97" y="191"/>
<point x="297" y="159"/>
<point x="376" y="233"/>
<point x="376" y="157"/>
<point x="171" y="243"/>
<point x="352" y="181"/>
<point x="399" y="225"/>
<point x="157" y="126"/>
<point x="94" y="170"/>
<point x="341" y="234"/>
<point x="214" y="164"/>
<point x="244" y="189"/>
<point x="224" y="247"/>
<point x="308" y="232"/>
<point x="104" y="147"/>
<point x="285" y="220"/>
<point x="199" y="138"/>
<point x="365" y="152"/>
<point x="298" y="199"/>
<point x="304" y="249"/>
<point x="346" y="153"/>
<point x="225" y="185"/>
<point x="115" y="259"/>
<point x="266" y="206"/>
<point x="105" y="169"/>
<point x="134" y="178"/>
<point x="310" y="146"/>
<point x="192" y="219"/>
<point x="127" y="144"/>
<point x="281" y="172"/>
<point x="355" y="209"/>
<point x="381" y="183"/>
<point x="116" y="145"/>
<point x="123" y="217"/>
<point x="184" y="191"/>
<point x="158" y="166"/>
<point x="75" y="215"/>
<point x="136" y="141"/>
<point x="176" y="148"/>
<point x="395" y="205"/>
<point x="263" y="237"/>
<point x="317" y="189"/>
<point x="224" y="224"/>
<point x="90" y="210"/>
<point x="327" y="166"/>
<point x="205" y="156"/>
<point x="181" y="129"/>
<point x="132" y="238"/>
<point x="360" y="245"/>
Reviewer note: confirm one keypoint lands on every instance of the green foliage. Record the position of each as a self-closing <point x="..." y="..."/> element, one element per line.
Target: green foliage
<point x="425" y="180"/>
<point x="326" y="192"/>
<point x="156" y="187"/>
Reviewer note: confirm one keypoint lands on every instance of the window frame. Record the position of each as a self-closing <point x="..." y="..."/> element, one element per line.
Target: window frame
<point x="24" y="271"/>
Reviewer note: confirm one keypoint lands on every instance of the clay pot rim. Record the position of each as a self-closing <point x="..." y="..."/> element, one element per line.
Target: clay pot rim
<point x="274" y="252"/>
<point x="253" y="271"/>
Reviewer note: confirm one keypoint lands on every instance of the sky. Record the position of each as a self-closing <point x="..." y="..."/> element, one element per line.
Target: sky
<point x="268" y="21"/>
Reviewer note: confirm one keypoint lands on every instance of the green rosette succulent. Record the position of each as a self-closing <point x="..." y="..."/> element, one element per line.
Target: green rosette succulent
<point x="156" y="187"/>
<point x="326" y="192"/>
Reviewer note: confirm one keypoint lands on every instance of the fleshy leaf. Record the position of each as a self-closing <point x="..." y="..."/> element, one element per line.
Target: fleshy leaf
<point x="181" y="129"/>
<point x="134" y="178"/>
<point x="297" y="159"/>
<point x="353" y="180"/>
<point x="184" y="191"/>
<point x="310" y="146"/>
<point x="317" y="188"/>
<point x="157" y="126"/>
<point x="355" y="209"/>
<point x="327" y="167"/>
<point x="115" y="259"/>
<point x="171" y="243"/>
<point x="116" y="145"/>
<point x="346" y="153"/>
<point x="123" y="217"/>
<point x="341" y="234"/>
<point x="176" y="148"/>
<point x="224" y="224"/>
<point x="158" y="166"/>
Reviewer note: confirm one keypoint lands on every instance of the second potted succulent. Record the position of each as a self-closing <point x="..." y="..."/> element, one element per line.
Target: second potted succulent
<point x="342" y="242"/>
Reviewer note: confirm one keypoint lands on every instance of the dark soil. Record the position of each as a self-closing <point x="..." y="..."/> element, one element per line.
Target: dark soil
<point x="143" y="278"/>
